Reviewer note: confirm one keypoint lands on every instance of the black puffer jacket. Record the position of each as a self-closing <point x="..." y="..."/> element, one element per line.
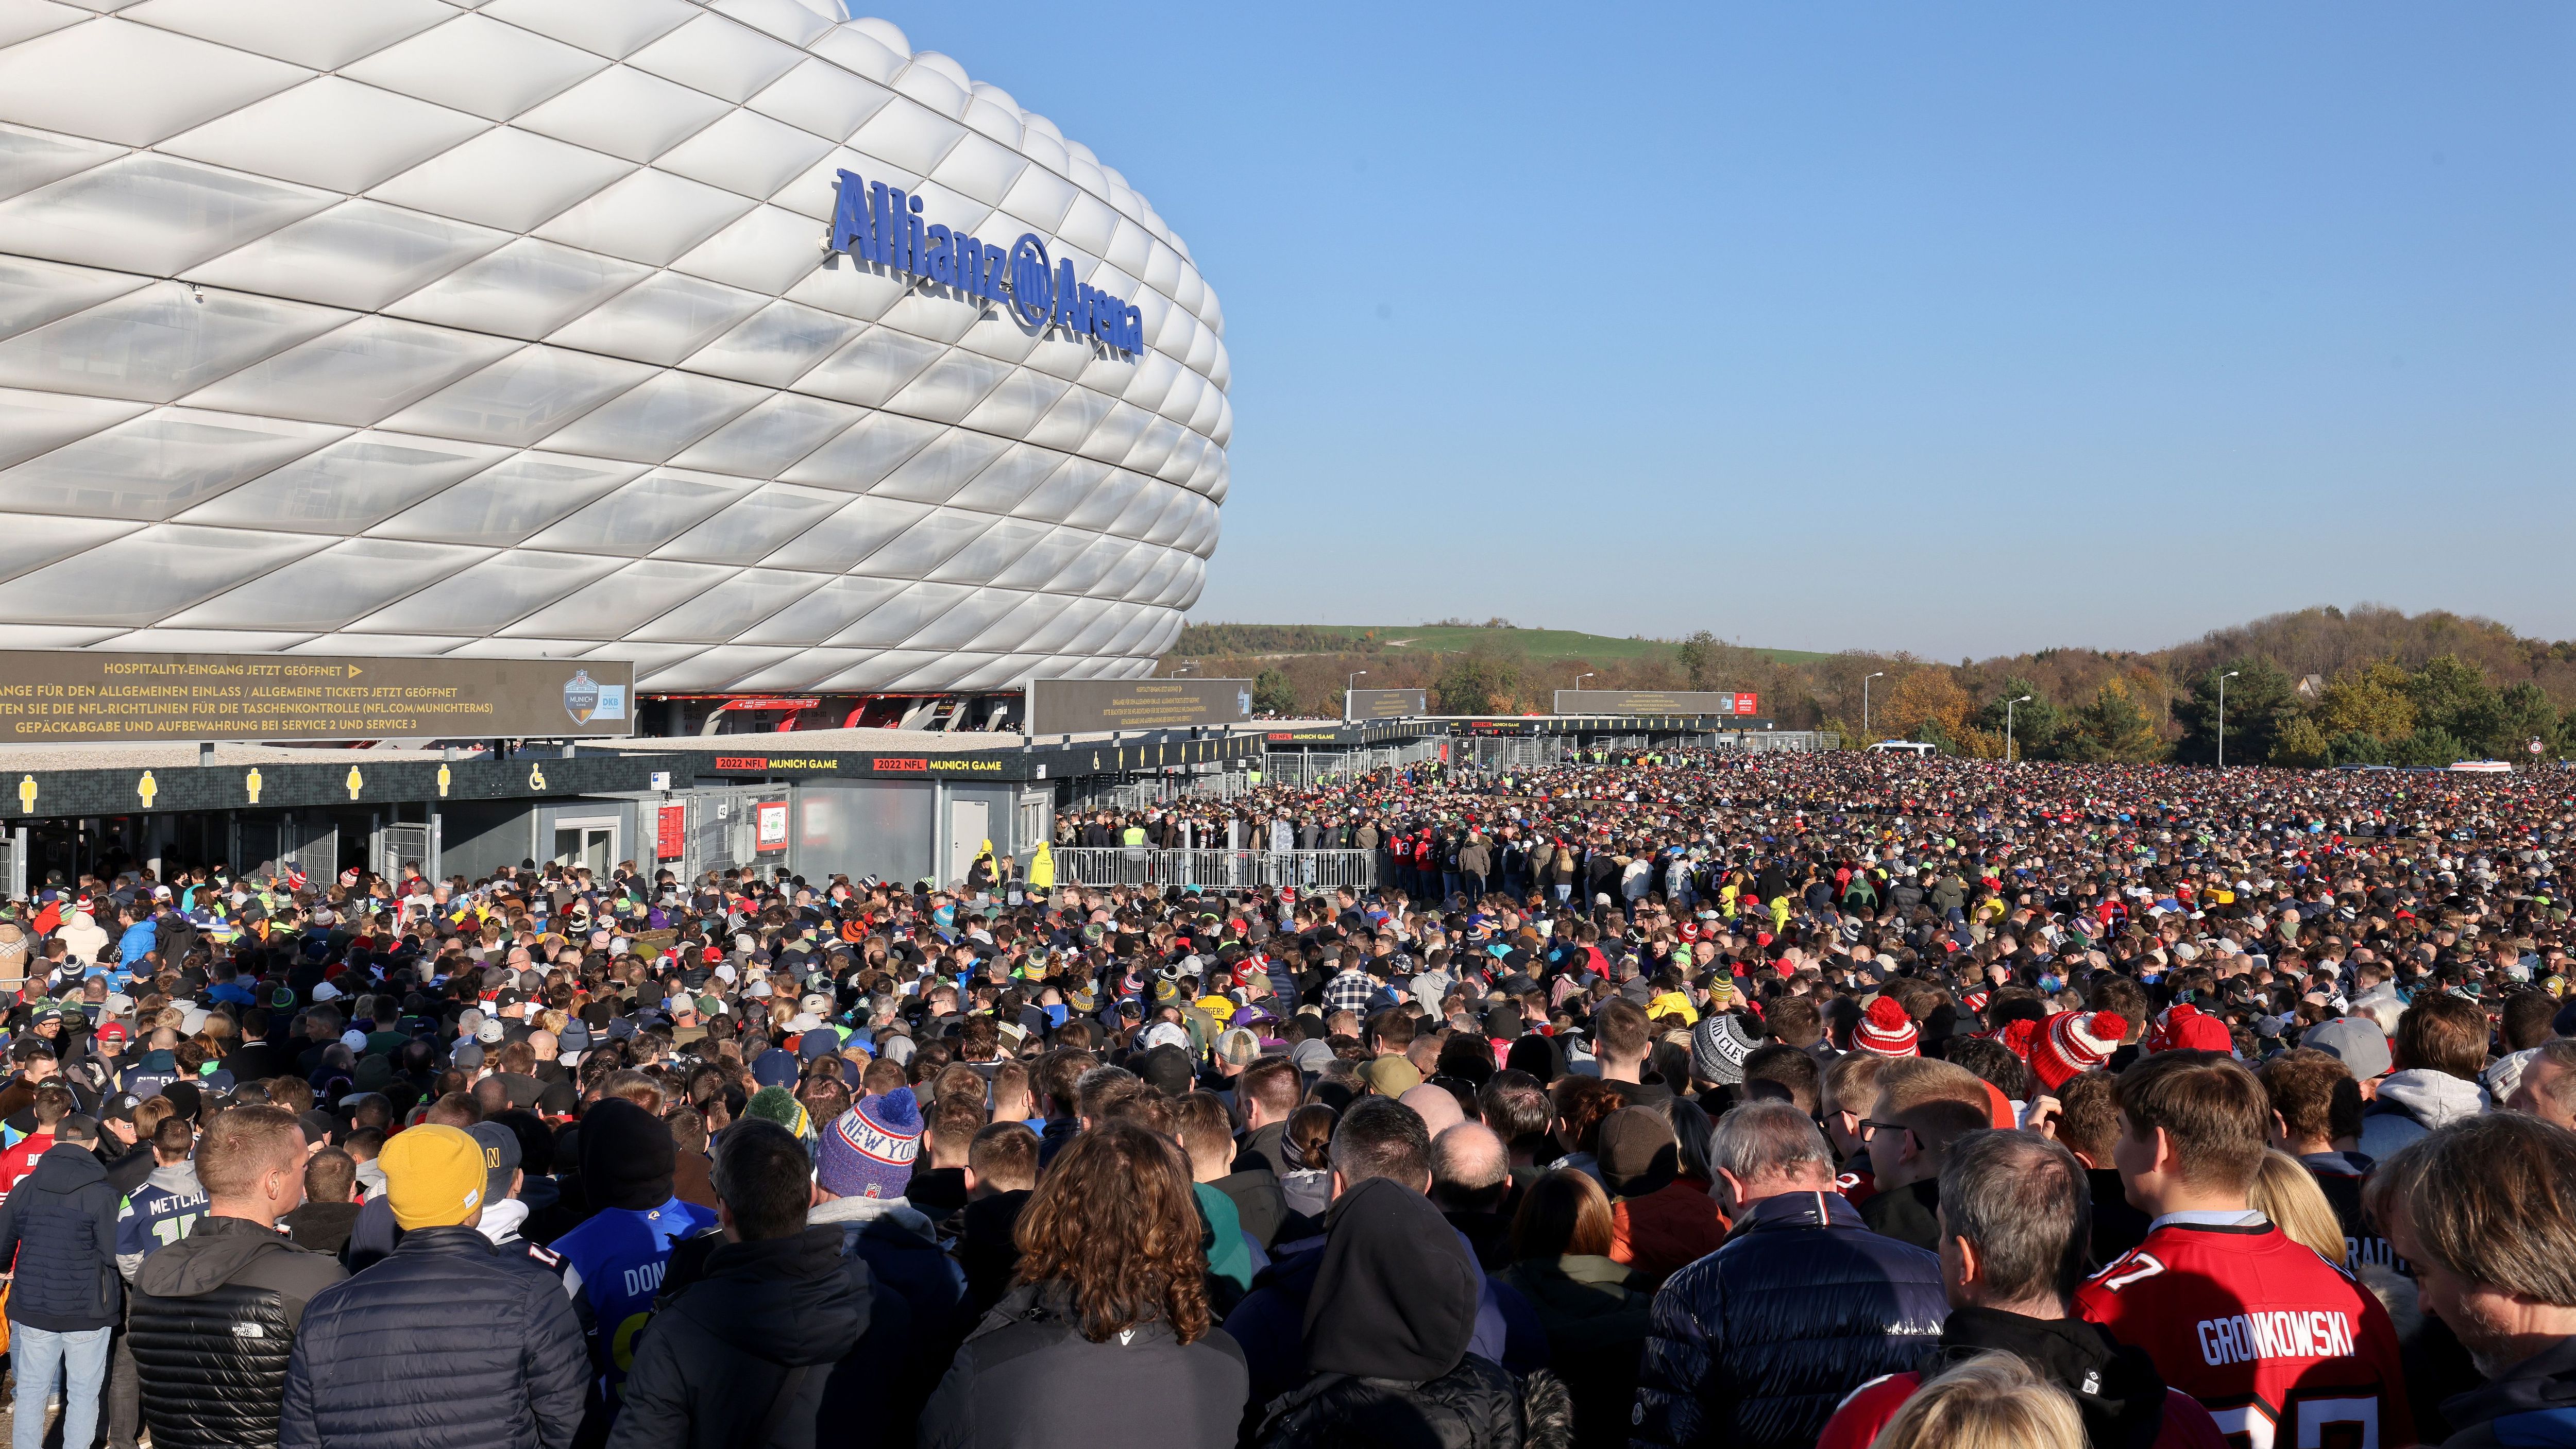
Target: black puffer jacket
<point x="1476" y="1405"/>
<point x="1755" y="1344"/>
<point x="449" y="1343"/>
<point x="213" y="1325"/>
<point x="59" y="1229"/>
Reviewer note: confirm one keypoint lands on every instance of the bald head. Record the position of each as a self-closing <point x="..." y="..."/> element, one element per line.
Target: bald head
<point x="1438" y="1110"/>
<point x="1470" y="1168"/>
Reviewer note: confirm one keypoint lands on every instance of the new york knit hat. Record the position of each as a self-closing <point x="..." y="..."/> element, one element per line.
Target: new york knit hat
<point x="868" y="1150"/>
<point x="1718" y="1046"/>
<point x="1887" y="1031"/>
<point x="2072" y="1043"/>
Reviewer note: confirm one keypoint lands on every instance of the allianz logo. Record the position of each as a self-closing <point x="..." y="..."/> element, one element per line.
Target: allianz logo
<point x="876" y="223"/>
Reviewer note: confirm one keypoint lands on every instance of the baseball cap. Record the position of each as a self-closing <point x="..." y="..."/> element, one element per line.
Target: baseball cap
<point x="2356" y="1040"/>
<point x="500" y="1158"/>
<point x="1238" y="1047"/>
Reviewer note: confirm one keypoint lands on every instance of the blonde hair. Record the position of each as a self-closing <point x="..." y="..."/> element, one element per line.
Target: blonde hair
<point x="1992" y="1401"/>
<point x="2287" y="1193"/>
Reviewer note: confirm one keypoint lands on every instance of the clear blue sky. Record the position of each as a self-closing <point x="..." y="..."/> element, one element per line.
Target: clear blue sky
<point x="1955" y="328"/>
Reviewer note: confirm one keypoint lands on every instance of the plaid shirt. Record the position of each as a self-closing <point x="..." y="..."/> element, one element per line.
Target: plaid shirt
<point x="1349" y="991"/>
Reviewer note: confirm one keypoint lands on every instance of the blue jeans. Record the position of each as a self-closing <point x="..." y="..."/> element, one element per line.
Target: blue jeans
<point x="37" y="1354"/>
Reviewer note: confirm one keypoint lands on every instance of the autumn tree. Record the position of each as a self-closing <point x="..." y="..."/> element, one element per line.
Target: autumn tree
<point x="1480" y="681"/>
<point x="2113" y="730"/>
<point x="2373" y="701"/>
<point x="1926" y="705"/>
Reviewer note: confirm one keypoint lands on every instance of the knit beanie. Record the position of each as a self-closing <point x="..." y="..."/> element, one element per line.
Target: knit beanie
<point x="779" y="1105"/>
<point x="1887" y="1031"/>
<point x="627" y="1156"/>
<point x="1718" y="1046"/>
<point x="2201" y="1032"/>
<point x="2072" y="1043"/>
<point x="868" y="1150"/>
<point x="434" y="1176"/>
<point x="2017" y="1036"/>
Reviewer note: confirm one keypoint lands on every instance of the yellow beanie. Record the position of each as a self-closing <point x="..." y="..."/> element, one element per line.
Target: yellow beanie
<point x="434" y="1175"/>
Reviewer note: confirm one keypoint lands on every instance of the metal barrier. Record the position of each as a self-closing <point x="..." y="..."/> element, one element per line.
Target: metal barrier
<point x="1791" y="741"/>
<point x="1515" y="754"/>
<point x="1215" y="869"/>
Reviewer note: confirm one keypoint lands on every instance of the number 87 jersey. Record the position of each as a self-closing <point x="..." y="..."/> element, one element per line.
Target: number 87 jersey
<point x="2283" y="1348"/>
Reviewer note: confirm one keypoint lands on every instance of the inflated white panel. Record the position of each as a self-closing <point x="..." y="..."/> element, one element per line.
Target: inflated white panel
<point x="329" y="131"/>
<point x="490" y="327"/>
<point x="113" y="80"/>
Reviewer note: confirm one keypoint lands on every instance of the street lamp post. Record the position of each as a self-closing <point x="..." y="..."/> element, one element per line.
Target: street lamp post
<point x="1346" y="693"/>
<point x="2008" y="725"/>
<point x="2222" y="715"/>
<point x="1864" y="702"/>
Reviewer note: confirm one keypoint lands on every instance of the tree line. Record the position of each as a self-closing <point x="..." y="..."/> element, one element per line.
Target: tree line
<point x="2321" y="686"/>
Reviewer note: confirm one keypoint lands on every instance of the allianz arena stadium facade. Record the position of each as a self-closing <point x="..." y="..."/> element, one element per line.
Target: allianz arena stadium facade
<point x="735" y="339"/>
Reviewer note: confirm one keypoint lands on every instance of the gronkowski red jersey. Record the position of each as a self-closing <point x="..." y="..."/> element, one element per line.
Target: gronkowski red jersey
<point x="2282" y="1347"/>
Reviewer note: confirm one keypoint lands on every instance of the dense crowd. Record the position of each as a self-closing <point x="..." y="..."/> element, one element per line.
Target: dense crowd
<point x="1651" y="1100"/>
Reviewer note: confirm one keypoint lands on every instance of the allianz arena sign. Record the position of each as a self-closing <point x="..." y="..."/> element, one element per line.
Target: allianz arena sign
<point x="874" y="222"/>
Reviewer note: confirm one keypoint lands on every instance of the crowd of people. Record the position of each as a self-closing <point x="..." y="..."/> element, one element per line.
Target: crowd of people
<point x="1650" y="1100"/>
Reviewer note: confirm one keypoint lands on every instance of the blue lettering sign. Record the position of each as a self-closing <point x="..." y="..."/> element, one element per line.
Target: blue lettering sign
<point x="880" y="225"/>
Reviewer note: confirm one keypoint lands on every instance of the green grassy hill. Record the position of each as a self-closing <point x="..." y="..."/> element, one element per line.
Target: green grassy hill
<point x="1535" y="644"/>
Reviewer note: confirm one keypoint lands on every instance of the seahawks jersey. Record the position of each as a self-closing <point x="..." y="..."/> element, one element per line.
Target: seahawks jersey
<point x="155" y="1217"/>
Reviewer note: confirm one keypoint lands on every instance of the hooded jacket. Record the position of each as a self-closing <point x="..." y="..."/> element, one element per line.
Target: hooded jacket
<point x="764" y="1319"/>
<point x="1387" y="1332"/>
<point x="59" y="1227"/>
<point x="904" y="1261"/>
<point x="2122" y="1398"/>
<point x="2533" y="1402"/>
<point x="1756" y="1343"/>
<point x="1026" y="1378"/>
<point x="1270" y="1321"/>
<point x="214" y="1319"/>
<point x="2411" y="1104"/>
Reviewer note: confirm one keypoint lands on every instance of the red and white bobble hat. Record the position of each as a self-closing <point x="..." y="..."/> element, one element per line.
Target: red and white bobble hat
<point x="2072" y="1043"/>
<point x="1887" y="1031"/>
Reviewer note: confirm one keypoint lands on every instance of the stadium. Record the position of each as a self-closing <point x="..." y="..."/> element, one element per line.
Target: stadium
<point x="738" y="340"/>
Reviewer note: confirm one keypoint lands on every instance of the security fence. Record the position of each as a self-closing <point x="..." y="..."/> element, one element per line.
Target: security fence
<point x="1515" y="754"/>
<point x="1791" y="741"/>
<point x="1215" y="869"/>
<point x="1316" y="767"/>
